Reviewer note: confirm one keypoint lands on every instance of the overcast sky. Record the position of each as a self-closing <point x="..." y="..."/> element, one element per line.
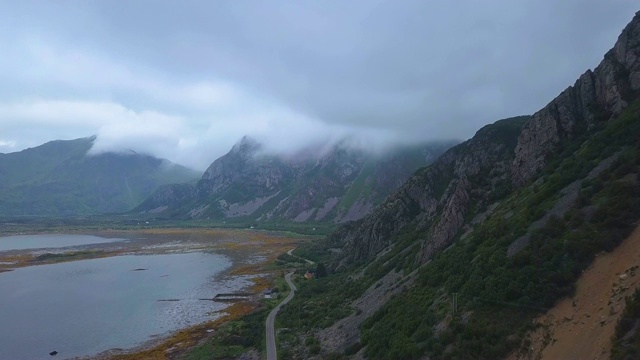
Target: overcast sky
<point x="184" y="80"/>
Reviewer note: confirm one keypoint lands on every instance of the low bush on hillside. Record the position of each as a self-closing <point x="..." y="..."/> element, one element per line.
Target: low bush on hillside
<point x="233" y="338"/>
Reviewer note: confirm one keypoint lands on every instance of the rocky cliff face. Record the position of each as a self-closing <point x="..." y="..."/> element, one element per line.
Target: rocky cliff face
<point x="245" y="165"/>
<point x="343" y="184"/>
<point x="435" y="202"/>
<point x="597" y="95"/>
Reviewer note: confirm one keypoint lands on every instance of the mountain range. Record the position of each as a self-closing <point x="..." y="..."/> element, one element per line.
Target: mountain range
<point x="342" y="183"/>
<point x="60" y="178"/>
<point x="336" y="185"/>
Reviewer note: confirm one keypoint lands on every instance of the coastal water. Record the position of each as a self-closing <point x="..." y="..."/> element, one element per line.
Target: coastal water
<point x="85" y="307"/>
<point x="21" y="242"/>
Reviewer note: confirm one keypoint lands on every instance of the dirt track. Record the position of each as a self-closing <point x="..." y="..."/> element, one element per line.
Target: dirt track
<point x="581" y="327"/>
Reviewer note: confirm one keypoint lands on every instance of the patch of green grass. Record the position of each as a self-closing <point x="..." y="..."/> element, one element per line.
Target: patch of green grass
<point x="320" y="302"/>
<point x="211" y="351"/>
<point x="233" y="338"/>
<point x="361" y="187"/>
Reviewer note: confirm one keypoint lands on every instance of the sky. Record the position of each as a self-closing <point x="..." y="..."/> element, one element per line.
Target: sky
<point x="186" y="80"/>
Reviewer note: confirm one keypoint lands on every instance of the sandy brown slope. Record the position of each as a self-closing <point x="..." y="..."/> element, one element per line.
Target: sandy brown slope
<point x="581" y="327"/>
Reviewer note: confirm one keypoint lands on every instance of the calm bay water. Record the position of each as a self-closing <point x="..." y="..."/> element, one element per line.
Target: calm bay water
<point x="21" y="242"/>
<point x="86" y="307"/>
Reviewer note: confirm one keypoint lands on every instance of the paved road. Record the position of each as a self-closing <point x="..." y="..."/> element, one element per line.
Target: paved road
<point x="290" y="252"/>
<point x="271" y="335"/>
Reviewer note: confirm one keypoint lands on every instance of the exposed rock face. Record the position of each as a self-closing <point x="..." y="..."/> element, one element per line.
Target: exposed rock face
<point x="345" y="332"/>
<point x="441" y="234"/>
<point x="341" y="185"/>
<point x="169" y="195"/>
<point x="244" y="165"/>
<point x="327" y="178"/>
<point x="435" y="200"/>
<point x="598" y="95"/>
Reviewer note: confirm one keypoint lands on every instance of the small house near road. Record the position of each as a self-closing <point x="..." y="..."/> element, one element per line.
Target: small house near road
<point x="308" y="275"/>
<point x="267" y="293"/>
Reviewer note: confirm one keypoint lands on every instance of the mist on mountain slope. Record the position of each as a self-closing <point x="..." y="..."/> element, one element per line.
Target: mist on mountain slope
<point x="281" y="137"/>
<point x="187" y="82"/>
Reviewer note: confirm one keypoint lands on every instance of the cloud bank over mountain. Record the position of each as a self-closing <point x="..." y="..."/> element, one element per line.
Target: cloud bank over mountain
<point x="186" y="81"/>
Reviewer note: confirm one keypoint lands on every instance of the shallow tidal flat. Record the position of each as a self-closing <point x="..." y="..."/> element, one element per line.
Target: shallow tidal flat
<point x="111" y="292"/>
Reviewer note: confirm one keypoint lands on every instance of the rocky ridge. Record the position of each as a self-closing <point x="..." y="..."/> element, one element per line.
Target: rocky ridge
<point x="60" y="178"/>
<point x="507" y="220"/>
<point x="437" y="200"/>
<point x="249" y="184"/>
<point x="514" y="155"/>
<point x="597" y="96"/>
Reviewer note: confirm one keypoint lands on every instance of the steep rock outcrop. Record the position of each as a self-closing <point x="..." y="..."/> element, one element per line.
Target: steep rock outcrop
<point x="442" y="232"/>
<point x="324" y="180"/>
<point x="260" y="174"/>
<point x="597" y="95"/>
<point x="434" y="202"/>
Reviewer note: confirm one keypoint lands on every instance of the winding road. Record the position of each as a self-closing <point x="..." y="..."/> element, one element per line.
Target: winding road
<point x="271" y="335"/>
<point x="290" y="252"/>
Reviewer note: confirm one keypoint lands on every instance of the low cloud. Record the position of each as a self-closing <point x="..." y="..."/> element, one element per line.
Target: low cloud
<point x="191" y="123"/>
<point x="187" y="82"/>
<point x="121" y="129"/>
<point x="7" y="146"/>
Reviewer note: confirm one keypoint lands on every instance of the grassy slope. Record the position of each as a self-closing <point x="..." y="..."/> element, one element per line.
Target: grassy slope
<point x="499" y="296"/>
<point x="58" y="179"/>
<point x="32" y="165"/>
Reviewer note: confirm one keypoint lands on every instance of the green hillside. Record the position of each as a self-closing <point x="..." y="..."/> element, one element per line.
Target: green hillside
<point x="60" y="179"/>
<point x="497" y="295"/>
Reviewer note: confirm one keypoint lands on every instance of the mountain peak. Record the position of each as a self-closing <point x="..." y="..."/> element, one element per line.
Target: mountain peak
<point x="58" y="178"/>
<point x="247" y="146"/>
<point x="595" y="98"/>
